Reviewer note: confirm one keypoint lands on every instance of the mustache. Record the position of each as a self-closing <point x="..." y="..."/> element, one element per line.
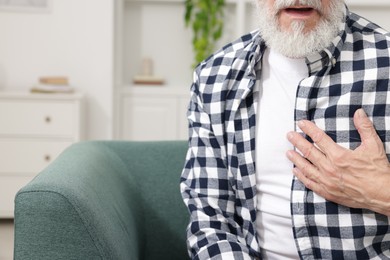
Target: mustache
<point x="283" y="4"/>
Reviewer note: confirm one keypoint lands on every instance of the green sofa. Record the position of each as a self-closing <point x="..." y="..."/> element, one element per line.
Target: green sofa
<point x="105" y="200"/>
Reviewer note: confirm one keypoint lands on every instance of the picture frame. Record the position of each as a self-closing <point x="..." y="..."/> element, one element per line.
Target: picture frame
<point x="25" y="5"/>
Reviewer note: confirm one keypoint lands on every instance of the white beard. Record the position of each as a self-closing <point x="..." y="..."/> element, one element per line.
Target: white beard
<point x="296" y="43"/>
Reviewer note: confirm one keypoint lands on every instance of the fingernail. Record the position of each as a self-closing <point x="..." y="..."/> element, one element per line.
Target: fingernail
<point x="301" y="124"/>
<point x="289" y="135"/>
<point x="360" y="112"/>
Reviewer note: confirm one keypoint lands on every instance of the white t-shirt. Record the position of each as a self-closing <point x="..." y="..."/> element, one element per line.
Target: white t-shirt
<point x="277" y="88"/>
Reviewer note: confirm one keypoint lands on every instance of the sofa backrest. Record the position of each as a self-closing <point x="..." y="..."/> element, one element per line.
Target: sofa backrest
<point x="105" y="200"/>
<point x="157" y="178"/>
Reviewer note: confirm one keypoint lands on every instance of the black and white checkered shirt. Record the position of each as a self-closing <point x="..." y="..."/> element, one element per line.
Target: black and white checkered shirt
<point x="218" y="183"/>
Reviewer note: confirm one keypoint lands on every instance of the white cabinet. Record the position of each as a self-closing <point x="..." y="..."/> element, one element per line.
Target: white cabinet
<point x="155" y="29"/>
<point x="34" y="130"/>
<point x="153" y="115"/>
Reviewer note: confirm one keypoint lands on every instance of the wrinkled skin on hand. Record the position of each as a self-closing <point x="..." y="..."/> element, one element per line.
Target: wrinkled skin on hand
<point x="357" y="178"/>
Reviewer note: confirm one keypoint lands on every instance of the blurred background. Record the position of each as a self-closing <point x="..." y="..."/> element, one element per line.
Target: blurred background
<point x="125" y="68"/>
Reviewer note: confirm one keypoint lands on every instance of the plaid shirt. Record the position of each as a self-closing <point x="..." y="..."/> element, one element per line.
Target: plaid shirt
<point x="218" y="182"/>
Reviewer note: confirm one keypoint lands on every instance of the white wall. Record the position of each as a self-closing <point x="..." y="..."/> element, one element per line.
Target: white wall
<point x="74" y="39"/>
<point x="376" y="11"/>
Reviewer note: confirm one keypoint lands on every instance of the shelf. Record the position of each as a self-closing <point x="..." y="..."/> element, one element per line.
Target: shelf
<point x="154" y="30"/>
<point x="155" y="90"/>
<point x="32" y="96"/>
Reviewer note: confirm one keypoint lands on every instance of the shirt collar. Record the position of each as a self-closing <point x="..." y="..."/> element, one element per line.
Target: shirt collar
<point x="329" y="56"/>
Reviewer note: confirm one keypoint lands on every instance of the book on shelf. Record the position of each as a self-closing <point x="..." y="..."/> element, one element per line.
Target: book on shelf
<point x="57" y="80"/>
<point x="47" y="88"/>
<point x="52" y="85"/>
<point x="148" y="80"/>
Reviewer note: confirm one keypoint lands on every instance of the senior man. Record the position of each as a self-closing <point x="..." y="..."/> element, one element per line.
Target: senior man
<point x="307" y="79"/>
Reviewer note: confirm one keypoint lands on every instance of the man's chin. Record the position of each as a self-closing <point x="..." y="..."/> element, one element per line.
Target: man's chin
<point x="299" y="41"/>
<point x="300" y="45"/>
<point x="301" y="38"/>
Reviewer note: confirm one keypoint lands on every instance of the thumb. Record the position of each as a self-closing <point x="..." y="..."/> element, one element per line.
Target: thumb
<point x="364" y="126"/>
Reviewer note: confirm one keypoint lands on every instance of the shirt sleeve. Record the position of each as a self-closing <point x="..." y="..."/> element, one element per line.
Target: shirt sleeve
<point x="214" y="231"/>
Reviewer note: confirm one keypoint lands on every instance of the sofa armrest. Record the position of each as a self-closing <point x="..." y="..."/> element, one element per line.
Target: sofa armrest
<point x="83" y="206"/>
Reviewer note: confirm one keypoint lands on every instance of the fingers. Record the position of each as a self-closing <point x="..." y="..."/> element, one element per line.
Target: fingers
<point x="320" y="188"/>
<point x="316" y="180"/>
<point x="303" y="167"/>
<point x="314" y="162"/>
<point x="307" y="173"/>
<point x="311" y="185"/>
<point x="307" y="149"/>
<point x="365" y="127"/>
<point x="323" y="141"/>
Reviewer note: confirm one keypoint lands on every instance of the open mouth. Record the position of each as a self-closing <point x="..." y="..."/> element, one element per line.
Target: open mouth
<point x="299" y="10"/>
<point x="304" y="9"/>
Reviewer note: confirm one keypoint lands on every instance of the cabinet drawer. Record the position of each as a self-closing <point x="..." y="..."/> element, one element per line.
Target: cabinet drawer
<point x="36" y="118"/>
<point x="9" y="186"/>
<point x="28" y="156"/>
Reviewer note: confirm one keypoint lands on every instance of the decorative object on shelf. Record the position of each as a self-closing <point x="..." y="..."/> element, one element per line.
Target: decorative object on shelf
<point x="206" y="19"/>
<point x="25" y="5"/>
<point x="52" y="85"/>
<point x="146" y="77"/>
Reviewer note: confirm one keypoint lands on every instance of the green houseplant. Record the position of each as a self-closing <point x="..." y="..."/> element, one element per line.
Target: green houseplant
<point x="205" y="17"/>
